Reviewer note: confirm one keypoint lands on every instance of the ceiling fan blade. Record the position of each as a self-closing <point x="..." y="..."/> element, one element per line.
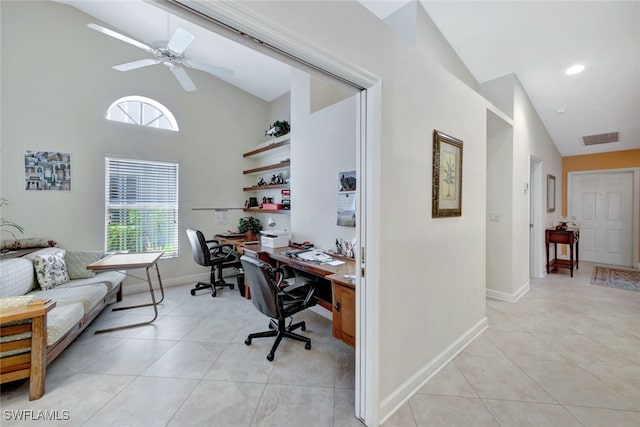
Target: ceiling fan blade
<point x="183" y="78"/>
<point x="180" y="40"/>
<point x="119" y="36"/>
<point x="211" y="69"/>
<point x="127" y="66"/>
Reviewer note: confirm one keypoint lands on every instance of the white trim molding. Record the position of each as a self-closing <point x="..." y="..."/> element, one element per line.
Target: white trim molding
<point x="403" y="393"/>
<point x="503" y="296"/>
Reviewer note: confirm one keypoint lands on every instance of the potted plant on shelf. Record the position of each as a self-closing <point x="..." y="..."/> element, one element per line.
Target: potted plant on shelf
<point x="250" y="226"/>
<point x="278" y="128"/>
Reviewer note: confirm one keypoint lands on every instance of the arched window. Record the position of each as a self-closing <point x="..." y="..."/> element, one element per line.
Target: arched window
<point x="142" y="111"/>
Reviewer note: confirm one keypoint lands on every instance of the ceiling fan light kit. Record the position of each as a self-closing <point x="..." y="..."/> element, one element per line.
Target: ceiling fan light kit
<point x="171" y="54"/>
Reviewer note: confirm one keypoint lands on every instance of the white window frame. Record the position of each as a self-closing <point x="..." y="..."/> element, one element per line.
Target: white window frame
<point x="150" y="190"/>
<point x="123" y="104"/>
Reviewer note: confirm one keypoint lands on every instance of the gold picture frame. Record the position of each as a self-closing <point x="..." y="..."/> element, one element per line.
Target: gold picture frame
<point x="446" y="195"/>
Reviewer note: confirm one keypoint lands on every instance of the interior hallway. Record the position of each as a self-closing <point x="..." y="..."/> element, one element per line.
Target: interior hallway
<point x="566" y="354"/>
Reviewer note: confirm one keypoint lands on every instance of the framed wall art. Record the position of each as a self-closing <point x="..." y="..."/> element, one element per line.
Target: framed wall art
<point x="551" y="193"/>
<point x="446" y="195"/>
<point x="47" y="171"/>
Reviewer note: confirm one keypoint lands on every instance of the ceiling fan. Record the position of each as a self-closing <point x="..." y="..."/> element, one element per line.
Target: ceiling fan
<point x="169" y="54"/>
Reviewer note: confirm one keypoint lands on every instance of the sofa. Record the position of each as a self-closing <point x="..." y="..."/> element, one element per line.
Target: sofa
<point x="47" y="298"/>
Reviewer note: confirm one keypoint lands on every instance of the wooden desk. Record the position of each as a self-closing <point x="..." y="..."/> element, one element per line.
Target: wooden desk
<point x="571" y="237"/>
<point x="132" y="261"/>
<point x="338" y="296"/>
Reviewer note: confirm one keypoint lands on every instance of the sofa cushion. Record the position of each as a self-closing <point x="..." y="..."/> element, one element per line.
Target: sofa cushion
<point x="77" y="262"/>
<point x="51" y="269"/>
<point x="88" y="295"/>
<point x="16" y="277"/>
<point x="61" y="319"/>
<point x="110" y="278"/>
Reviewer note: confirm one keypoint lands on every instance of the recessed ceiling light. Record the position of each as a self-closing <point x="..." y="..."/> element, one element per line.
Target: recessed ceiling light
<point x="561" y="110"/>
<point x="574" y="69"/>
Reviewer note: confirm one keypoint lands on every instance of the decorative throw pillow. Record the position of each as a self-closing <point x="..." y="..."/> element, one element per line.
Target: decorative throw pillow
<point x="77" y="262"/>
<point x="51" y="269"/>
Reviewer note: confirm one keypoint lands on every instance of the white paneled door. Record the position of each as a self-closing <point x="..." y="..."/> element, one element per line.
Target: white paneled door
<point x="602" y="204"/>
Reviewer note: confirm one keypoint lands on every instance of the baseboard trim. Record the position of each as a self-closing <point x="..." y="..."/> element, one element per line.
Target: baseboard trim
<point x="134" y="288"/>
<point x="503" y="296"/>
<point x="403" y="393"/>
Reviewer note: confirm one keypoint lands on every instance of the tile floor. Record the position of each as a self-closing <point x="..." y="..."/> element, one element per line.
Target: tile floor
<point x="567" y="354"/>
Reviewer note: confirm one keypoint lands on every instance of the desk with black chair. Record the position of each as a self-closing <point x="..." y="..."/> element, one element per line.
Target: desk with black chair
<point x="335" y="290"/>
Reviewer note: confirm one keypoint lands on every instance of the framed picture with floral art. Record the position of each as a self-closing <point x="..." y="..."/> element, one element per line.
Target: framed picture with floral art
<point x="446" y="195"/>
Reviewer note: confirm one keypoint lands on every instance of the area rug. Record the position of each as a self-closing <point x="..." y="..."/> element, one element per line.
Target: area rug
<point x="616" y="278"/>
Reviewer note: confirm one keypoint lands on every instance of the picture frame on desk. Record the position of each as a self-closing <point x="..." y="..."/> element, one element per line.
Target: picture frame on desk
<point x="446" y="194"/>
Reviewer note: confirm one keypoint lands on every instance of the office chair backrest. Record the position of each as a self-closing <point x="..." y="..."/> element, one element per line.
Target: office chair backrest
<point x="263" y="289"/>
<point x="199" y="247"/>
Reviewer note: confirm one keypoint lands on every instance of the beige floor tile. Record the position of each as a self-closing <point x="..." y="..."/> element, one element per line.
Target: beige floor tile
<point x="79" y="395"/>
<point x="522" y="344"/>
<point x="288" y="406"/>
<point x="186" y="359"/>
<point x="345" y="366"/>
<point x="449" y="382"/>
<point x="343" y="409"/>
<point x="169" y="328"/>
<point x="242" y="363"/>
<point x="624" y="380"/>
<point x="527" y="414"/>
<point x="481" y="346"/>
<point x="219" y="404"/>
<point x="449" y="411"/>
<point x="596" y="417"/>
<point x="572" y="385"/>
<point x="132" y="357"/>
<point x="213" y="329"/>
<point x="500" y="378"/>
<point x="145" y="402"/>
<point x="403" y="417"/>
<point x="294" y="365"/>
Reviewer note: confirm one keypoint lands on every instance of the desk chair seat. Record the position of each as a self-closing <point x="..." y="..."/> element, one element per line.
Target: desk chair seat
<point x="210" y="253"/>
<point x="276" y="300"/>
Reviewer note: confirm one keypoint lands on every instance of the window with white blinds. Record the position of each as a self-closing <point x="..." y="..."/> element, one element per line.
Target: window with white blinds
<point x="141" y="206"/>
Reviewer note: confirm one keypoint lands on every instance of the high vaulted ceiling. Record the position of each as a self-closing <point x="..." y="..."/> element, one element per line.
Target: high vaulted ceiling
<point x="537" y="41"/>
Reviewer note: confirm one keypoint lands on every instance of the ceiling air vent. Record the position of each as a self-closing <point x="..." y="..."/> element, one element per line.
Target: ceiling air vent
<point x="603" y="138"/>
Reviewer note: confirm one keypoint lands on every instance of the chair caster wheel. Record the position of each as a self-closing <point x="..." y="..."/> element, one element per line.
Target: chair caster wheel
<point x="307" y="346"/>
<point x="213" y="295"/>
<point x="231" y="286"/>
<point x="270" y="357"/>
<point x="303" y="327"/>
<point x="193" y="292"/>
<point x="247" y="341"/>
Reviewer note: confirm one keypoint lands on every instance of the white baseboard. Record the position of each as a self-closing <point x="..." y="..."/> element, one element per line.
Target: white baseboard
<point x="503" y="296"/>
<point x="403" y="393"/>
<point x="134" y="288"/>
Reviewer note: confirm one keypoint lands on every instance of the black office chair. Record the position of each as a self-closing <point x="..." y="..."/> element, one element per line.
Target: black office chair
<point x="209" y="253"/>
<point x="273" y="298"/>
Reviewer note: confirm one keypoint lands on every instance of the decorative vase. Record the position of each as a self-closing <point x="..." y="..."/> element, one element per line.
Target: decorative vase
<point x="250" y="236"/>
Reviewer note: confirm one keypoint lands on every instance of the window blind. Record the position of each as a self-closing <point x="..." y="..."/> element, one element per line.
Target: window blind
<point x="141" y="206"/>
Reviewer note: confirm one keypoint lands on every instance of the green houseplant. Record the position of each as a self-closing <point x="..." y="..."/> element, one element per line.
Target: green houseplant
<point x="278" y="128"/>
<point x="250" y="226"/>
<point x="6" y="225"/>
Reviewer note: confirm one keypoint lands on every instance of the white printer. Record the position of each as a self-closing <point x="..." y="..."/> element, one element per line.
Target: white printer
<point x="274" y="239"/>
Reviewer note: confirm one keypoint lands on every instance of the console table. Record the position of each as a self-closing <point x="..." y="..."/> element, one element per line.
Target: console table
<point x="569" y="236"/>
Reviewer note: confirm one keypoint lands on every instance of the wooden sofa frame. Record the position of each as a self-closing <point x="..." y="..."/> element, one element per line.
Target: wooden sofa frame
<point x="33" y="364"/>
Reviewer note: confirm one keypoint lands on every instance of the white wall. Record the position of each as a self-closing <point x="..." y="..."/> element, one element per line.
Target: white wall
<point x="323" y="145"/>
<point x="432" y="288"/>
<point x="529" y="138"/>
<point x="57" y="83"/>
<point x="499" y="207"/>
